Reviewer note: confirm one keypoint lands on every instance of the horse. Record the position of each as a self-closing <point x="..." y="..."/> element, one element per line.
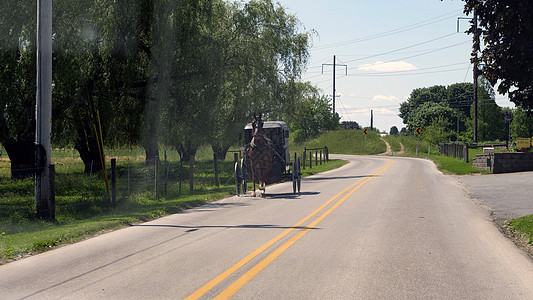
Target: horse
<point x="260" y="153"/>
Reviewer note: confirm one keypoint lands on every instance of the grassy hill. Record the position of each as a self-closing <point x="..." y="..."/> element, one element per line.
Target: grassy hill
<point x="345" y="142"/>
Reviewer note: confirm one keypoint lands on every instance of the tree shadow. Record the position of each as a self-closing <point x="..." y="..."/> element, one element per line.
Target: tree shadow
<point x="338" y="177"/>
<point x="191" y="228"/>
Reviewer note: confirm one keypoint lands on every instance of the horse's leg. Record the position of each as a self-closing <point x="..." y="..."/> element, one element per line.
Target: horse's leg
<point x="253" y="182"/>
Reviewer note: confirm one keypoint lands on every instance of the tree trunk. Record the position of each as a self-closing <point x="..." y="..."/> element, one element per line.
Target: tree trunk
<point x="22" y="157"/>
<point x="184" y="155"/>
<point x="151" y="153"/>
<point x="89" y="154"/>
<point x="220" y="151"/>
<point x="192" y="154"/>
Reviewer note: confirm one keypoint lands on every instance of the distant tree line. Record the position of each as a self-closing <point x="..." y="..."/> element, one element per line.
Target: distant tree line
<point x="445" y="113"/>
<point x="180" y="73"/>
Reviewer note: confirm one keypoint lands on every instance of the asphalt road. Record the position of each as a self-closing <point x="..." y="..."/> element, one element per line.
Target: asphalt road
<point x="377" y="228"/>
<point x="508" y="195"/>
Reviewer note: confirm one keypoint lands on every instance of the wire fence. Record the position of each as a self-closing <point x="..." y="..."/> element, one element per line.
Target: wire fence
<point x="78" y="192"/>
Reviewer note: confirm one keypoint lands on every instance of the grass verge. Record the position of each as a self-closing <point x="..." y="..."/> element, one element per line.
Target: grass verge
<point x="521" y="232"/>
<point x="450" y="165"/>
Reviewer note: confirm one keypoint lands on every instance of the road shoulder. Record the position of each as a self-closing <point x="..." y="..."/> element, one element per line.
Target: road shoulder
<point x="505" y="198"/>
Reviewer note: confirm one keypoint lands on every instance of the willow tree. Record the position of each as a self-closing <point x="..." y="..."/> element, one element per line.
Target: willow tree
<point x="17" y="84"/>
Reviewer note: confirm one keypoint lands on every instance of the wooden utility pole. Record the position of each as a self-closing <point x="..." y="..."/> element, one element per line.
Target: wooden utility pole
<point x="475" y="71"/>
<point x="371" y="120"/>
<point x="43" y="109"/>
<point x="334" y="91"/>
<point x="334" y="68"/>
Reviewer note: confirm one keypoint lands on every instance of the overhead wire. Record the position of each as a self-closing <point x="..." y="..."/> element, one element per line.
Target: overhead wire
<point x="403" y="48"/>
<point x="390" y="32"/>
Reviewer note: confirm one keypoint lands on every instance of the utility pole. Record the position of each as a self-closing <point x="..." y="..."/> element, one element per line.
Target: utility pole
<point x="475" y="71"/>
<point x="43" y="109"/>
<point x="475" y="61"/>
<point x="334" y="68"/>
<point x="371" y="120"/>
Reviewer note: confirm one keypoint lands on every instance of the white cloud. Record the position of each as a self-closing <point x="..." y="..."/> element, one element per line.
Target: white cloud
<point x="380" y="66"/>
<point x="385" y="98"/>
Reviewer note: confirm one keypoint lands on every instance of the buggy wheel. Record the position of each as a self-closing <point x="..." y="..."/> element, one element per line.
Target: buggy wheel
<point x="237" y="179"/>
<point x="243" y="176"/>
<point x="298" y="174"/>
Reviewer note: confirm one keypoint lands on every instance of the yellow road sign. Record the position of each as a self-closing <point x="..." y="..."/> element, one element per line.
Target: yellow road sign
<point x="365" y="131"/>
<point x="418" y="131"/>
<point x="522" y="142"/>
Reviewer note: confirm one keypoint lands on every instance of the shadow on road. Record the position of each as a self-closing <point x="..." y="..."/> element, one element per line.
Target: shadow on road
<point x="192" y="228"/>
<point x="339" y="177"/>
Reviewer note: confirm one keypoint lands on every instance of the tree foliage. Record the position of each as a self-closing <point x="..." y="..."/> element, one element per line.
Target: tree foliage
<point x="313" y="116"/>
<point x="522" y="125"/>
<point x="18" y="84"/>
<point x="438" y="132"/>
<point x="177" y="72"/>
<point x="505" y="28"/>
<point x="454" y="104"/>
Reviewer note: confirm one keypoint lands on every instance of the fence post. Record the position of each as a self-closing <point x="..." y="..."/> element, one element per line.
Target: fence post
<point x="215" y="162"/>
<point x="52" y="199"/>
<point x="157" y="178"/>
<point x="316" y="157"/>
<point x="465" y="153"/>
<point x="320" y="157"/>
<point x="327" y="153"/>
<point x="166" y="172"/>
<point x="310" y="160"/>
<point x="114" y="182"/>
<point x="305" y="150"/>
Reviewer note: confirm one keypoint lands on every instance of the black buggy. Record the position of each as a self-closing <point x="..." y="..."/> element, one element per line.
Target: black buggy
<point x="281" y="168"/>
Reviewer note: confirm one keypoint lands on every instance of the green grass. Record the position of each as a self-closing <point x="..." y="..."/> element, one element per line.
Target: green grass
<point x="450" y="165"/>
<point x="345" y="142"/>
<point x="82" y="206"/>
<point x="394" y="142"/>
<point x="523" y="225"/>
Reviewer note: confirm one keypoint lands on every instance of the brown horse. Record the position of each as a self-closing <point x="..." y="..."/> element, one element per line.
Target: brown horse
<point x="260" y="153"/>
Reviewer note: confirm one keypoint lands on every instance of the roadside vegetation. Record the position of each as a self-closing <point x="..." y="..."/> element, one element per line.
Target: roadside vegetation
<point x="521" y="230"/>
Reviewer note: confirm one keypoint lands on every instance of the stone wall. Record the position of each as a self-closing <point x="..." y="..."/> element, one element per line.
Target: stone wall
<point x="504" y="162"/>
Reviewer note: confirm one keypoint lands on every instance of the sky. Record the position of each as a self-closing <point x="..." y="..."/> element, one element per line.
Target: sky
<point x="388" y="47"/>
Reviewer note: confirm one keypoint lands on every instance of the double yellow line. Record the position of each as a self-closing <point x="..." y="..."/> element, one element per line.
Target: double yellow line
<point x="250" y="274"/>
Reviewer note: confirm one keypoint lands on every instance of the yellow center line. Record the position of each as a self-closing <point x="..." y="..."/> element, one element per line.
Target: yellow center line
<point x="239" y="283"/>
<point x="211" y="284"/>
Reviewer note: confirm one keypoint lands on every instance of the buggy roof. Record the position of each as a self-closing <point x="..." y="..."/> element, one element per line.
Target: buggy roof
<point x="269" y="124"/>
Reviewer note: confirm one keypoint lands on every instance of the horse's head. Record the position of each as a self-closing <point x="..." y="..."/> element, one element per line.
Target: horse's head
<point x="257" y="125"/>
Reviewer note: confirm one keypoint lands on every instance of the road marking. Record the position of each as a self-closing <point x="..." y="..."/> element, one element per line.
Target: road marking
<point x="237" y="285"/>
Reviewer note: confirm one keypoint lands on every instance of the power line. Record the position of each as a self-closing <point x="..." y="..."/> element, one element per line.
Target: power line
<point x="403" y="48"/>
<point x="406" y="74"/>
<point x="391" y="32"/>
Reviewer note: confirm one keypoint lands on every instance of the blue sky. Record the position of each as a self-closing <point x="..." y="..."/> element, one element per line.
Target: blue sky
<point x="389" y="47"/>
